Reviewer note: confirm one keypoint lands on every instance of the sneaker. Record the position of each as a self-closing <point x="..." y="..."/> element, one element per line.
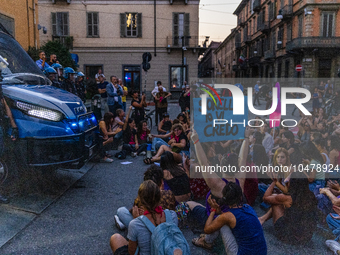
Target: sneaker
<point x="333" y="246"/>
<point x="119" y="224"/>
<point x="133" y="154"/>
<point x="143" y="153"/>
<point x="107" y="160"/>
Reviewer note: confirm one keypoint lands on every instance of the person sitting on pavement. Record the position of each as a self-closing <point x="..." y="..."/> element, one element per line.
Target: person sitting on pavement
<point x="216" y="184"/>
<point x="139" y="235"/>
<point x="168" y="201"/>
<point x="130" y="140"/>
<point x="177" y="144"/>
<point x="176" y="178"/>
<point x="105" y="128"/>
<point x="165" y="124"/>
<point x="182" y="117"/>
<point x="242" y="232"/>
<point x="143" y="134"/>
<point x="118" y="122"/>
<point x="294" y="214"/>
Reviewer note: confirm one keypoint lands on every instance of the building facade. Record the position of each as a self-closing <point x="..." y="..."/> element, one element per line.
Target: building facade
<point x="20" y="19"/>
<point x="113" y="35"/>
<point x="208" y="61"/>
<point x="273" y="36"/>
<point x="225" y="60"/>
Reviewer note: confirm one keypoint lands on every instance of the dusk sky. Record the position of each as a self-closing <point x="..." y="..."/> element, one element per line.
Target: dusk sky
<point x="217" y="19"/>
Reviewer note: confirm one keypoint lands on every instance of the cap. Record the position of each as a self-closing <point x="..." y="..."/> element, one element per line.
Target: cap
<point x="166" y="114"/>
<point x="183" y="87"/>
<point x="188" y="86"/>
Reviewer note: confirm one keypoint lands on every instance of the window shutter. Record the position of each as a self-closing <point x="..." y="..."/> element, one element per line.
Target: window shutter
<point x="330" y="25"/>
<point x="65" y="32"/>
<point x="139" y="25"/>
<point x="175" y="27"/>
<point x="89" y="24"/>
<point x="122" y="25"/>
<point x="289" y="32"/>
<point x="54" y="23"/>
<point x="186" y="28"/>
<point x="95" y="18"/>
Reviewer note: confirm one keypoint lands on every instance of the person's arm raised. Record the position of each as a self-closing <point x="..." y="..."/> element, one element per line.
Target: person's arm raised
<point x="242" y="159"/>
<point x="214" y="182"/>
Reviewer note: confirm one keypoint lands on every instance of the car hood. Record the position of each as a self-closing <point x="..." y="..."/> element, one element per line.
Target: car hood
<point x="47" y="96"/>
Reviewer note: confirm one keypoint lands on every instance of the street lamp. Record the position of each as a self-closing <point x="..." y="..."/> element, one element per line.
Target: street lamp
<point x="280" y="16"/>
<point x="184" y="48"/>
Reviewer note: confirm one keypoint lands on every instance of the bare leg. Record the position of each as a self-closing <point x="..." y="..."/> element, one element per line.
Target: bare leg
<point x="117" y="241"/>
<point x="278" y="212"/>
<point x="178" y="252"/>
<point x="266" y="217"/>
<point x="193" y="204"/>
<point x="161" y="150"/>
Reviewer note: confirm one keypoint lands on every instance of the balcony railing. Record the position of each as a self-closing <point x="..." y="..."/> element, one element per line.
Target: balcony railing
<point x="313" y="42"/>
<point x="254" y="60"/>
<point x="257" y="5"/>
<point x="67" y="41"/>
<point x="265" y="27"/>
<point x="178" y="42"/>
<point x="67" y="1"/>
<point x="287" y="12"/>
<point x="238" y="45"/>
<point x="247" y="38"/>
<point x="269" y="54"/>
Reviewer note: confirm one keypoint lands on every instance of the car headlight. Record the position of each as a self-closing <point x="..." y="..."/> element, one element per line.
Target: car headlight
<point x="40" y="112"/>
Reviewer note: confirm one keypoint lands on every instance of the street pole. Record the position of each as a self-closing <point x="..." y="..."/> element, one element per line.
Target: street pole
<point x="182" y="73"/>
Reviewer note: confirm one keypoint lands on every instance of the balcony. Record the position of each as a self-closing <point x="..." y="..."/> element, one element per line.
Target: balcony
<point x="67" y="41"/>
<point x="287" y="12"/>
<point x="235" y="68"/>
<point x="265" y="27"/>
<point x="269" y="54"/>
<point x="257" y="5"/>
<point x="253" y="61"/>
<point x="313" y="42"/>
<point x="247" y="39"/>
<point x="67" y="1"/>
<point x="238" y="45"/>
<point x="241" y="22"/>
<point x="179" y="42"/>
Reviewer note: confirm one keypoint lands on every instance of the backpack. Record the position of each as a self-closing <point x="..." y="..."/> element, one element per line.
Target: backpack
<point x="166" y="237"/>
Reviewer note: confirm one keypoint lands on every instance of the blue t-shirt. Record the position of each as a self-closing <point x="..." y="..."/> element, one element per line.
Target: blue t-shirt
<point x="103" y="86"/>
<point x="39" y="64"/>
<point x="248" y="231"/>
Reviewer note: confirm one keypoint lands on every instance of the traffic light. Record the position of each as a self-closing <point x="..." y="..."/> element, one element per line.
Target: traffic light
<point x="146" y="58"/>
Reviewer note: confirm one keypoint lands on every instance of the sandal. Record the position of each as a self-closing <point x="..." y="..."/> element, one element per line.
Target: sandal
<point x="204" y="245"/>
<point x="147" y="161"/>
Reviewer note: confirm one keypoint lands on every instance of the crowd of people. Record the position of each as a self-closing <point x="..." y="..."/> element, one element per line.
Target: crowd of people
<point x="297" y="199"/>
<point x="62" y="78"/>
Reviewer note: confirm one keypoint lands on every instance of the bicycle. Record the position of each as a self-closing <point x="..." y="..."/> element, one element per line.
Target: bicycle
<point x="147" y="117"/>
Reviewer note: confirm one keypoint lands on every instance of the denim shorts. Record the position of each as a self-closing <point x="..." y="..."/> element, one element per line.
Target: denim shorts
<point x="199" y="214"/>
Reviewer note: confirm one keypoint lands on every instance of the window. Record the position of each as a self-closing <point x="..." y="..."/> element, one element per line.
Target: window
<point x="270" y="11"/>
<point x="287" y="69"/>
<point x="130" y="25"/>
<point x="92" y="24"/>
<point x="289" y="32"/>
<point x="328" y="24"/>
<point x="300" y="26"/>
<point x="8" y="23"/>
<point x="181" y="28"/>
<point x="60" y="24"/>
<point x="279" y="69"/>
<point x="176" y="78"/>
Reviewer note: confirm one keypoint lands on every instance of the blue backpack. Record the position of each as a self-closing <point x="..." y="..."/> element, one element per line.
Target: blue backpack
<point x="166" y="237"/>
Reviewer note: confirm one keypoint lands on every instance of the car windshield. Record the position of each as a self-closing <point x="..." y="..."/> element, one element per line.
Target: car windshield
<point x="16" y="65"/>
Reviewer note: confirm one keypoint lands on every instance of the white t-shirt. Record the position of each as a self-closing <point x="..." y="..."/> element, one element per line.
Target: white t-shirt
<point x="97" y="76"/>
<point x="156" y="90"/>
